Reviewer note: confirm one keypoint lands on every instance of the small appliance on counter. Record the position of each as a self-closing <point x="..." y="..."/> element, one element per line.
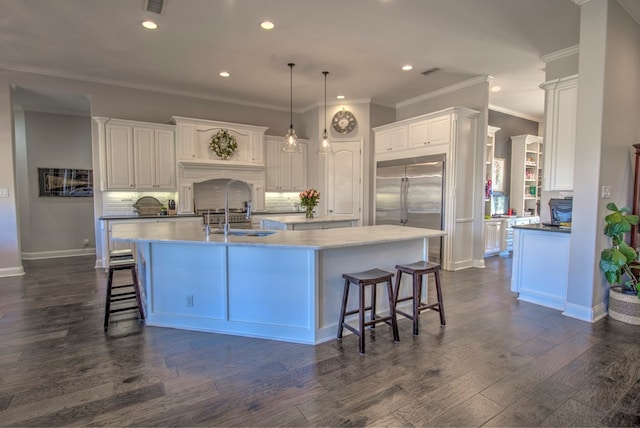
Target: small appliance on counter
<point x="561" y="212"/>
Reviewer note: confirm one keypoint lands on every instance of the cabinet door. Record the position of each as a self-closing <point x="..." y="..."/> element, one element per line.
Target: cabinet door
<point x="285" y="170"/>
<point x="256" y="149"/>
<point x="272" y="149"/>
<point x="560" y="136"/>
<point x="418" y="134"/>
<point x="186" y="141"/>
<point x="492" y="237"/>
<point x="120" y="158"/>
<point x="165" y="160"/>
<point x="144" y="155"/>
<point x="398" y="139"/>
<point x="185" y="199"/>
<point x="439" y="130"/>
<point x="299" y="168"/>
<point x="382" y="141"/>
<point x="257" y="202"/>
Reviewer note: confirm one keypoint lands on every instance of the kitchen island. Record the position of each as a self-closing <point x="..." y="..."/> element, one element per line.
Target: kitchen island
<point x="284" y="286"/>
<point x="294" y="222"/>
<point x="540" y="270"/>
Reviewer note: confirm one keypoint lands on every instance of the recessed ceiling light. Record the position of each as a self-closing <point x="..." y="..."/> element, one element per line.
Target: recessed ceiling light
<point x="267" y="25"/>
<point x="340" y="97"/>
<point x="495" y="88"/>
<point x="407" y="67"/>
<point x="149" y="25"/>
<point x="225" y="74"/>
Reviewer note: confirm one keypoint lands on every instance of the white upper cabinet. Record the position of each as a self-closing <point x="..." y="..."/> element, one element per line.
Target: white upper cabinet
<point x="139" y="156"/>
<point x="194" y="138"/>
<point x="561" y="102"/>
<point x="391" y="139"/>
<point x="155" y="160"/>
<point x="430" y="132"/>
<point x="119" y="153"/>
<point x="285" y="171"/>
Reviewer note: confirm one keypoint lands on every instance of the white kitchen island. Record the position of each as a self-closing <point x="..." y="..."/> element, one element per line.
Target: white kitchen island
<point x="295" y="222"/>
<point x="286" y="286"/>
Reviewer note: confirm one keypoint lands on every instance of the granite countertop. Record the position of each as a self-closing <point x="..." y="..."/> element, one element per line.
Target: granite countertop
<point x="316" y="219"/>
<point x="313" y="239"/>
<point x="544" y="228"/>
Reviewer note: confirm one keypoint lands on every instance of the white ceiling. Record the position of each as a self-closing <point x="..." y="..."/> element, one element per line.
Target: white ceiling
<point x="362" y="43"/>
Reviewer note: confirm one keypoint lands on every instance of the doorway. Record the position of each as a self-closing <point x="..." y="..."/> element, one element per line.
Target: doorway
<point x="53" y="132"/>
<point x="344" y="179"/>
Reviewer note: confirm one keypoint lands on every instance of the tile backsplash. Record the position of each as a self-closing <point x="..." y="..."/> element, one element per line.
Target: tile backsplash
<point x="282" y="201"/>
<point x="121" y="203"/>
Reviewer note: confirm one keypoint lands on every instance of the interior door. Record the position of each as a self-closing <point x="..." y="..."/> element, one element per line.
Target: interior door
<point x="344" y="179"/>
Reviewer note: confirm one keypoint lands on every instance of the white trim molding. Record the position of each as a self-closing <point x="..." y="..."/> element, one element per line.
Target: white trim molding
<point x="14" y="271"/>
<point x="562" y="53"/>
<point x="446" y="90"/>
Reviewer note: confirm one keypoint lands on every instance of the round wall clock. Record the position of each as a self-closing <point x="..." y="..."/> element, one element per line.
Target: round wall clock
<point x="344" y="122"/>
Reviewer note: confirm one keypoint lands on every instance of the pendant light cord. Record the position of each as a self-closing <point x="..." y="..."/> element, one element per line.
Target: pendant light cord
<point x="291" y="93"/>
<point x="325" y="100"/>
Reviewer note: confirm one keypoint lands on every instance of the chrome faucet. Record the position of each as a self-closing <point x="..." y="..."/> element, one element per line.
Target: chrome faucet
<point x="226" y="204"/>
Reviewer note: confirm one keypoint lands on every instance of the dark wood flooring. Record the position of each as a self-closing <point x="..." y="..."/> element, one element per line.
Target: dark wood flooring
<point x="498" y="362"/>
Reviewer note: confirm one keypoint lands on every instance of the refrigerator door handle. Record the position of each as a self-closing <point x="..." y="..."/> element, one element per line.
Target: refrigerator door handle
<point x="403" y="200"/>
<point x="406" y="197"/>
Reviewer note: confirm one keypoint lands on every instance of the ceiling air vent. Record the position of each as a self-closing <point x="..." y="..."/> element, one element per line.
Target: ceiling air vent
<point x="154" y="6"/>
<point x="429" y="71"/>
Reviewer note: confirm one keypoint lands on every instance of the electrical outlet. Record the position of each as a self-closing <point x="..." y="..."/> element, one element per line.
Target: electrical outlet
<point x="189" y="300"/>
<point x="86" y="242"/>
<point x="4" y="193"/>
<point x="606" y="192"/>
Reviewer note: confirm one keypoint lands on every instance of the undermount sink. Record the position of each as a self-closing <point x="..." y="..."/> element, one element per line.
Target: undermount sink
<point x="250" y="232"/>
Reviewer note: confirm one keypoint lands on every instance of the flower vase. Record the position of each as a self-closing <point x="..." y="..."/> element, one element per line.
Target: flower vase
<point x="309" y="213"/>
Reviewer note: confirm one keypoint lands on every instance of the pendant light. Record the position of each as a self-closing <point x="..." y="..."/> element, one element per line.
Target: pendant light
<point x="325" y="144"/>
<point x="291" y="139"/>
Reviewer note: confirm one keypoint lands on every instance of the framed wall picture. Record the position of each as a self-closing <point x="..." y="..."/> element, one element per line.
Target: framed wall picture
<point x="65" y="182"/>
<point x="498" y="175"/>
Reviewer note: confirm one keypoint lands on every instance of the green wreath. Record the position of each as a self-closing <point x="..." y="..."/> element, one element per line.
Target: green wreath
<point x="223" y="144"/>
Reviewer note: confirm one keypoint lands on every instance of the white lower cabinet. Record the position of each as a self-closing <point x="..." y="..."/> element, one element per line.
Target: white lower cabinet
<point x="506" y="245"/>
<point x="492" y="236"/>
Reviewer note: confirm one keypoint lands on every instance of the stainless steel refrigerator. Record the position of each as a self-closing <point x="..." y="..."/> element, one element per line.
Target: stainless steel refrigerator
<point x="409" y="192"/>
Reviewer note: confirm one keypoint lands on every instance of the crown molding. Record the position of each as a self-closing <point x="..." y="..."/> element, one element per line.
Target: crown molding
<point x="124" y="84"/>
<point x="446" y="90"/>
<point x="513" y="113"/>
<point x="562" y="53"/>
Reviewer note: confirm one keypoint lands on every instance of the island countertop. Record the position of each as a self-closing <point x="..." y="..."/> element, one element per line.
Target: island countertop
<point x="312" y="239"/>
<point x="294" y="219"/>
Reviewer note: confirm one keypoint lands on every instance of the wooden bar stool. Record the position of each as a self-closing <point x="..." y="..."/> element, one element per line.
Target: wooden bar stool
<point x="117" y="262"/>
<point x="417" y="270"/>
<point x="363" y="279"/>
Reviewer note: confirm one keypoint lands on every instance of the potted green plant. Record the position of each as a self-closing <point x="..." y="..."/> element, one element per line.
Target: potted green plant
<point x="620" y="266"/>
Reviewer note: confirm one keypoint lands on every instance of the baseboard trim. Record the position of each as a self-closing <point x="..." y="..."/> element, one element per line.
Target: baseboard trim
<point x="13" y="271"/>
<point x="57" y="254"/>
<point x="584" y="313"/>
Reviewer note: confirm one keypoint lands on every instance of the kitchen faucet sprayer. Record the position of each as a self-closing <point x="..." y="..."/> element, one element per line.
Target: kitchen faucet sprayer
<point x="226" y="203"/>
